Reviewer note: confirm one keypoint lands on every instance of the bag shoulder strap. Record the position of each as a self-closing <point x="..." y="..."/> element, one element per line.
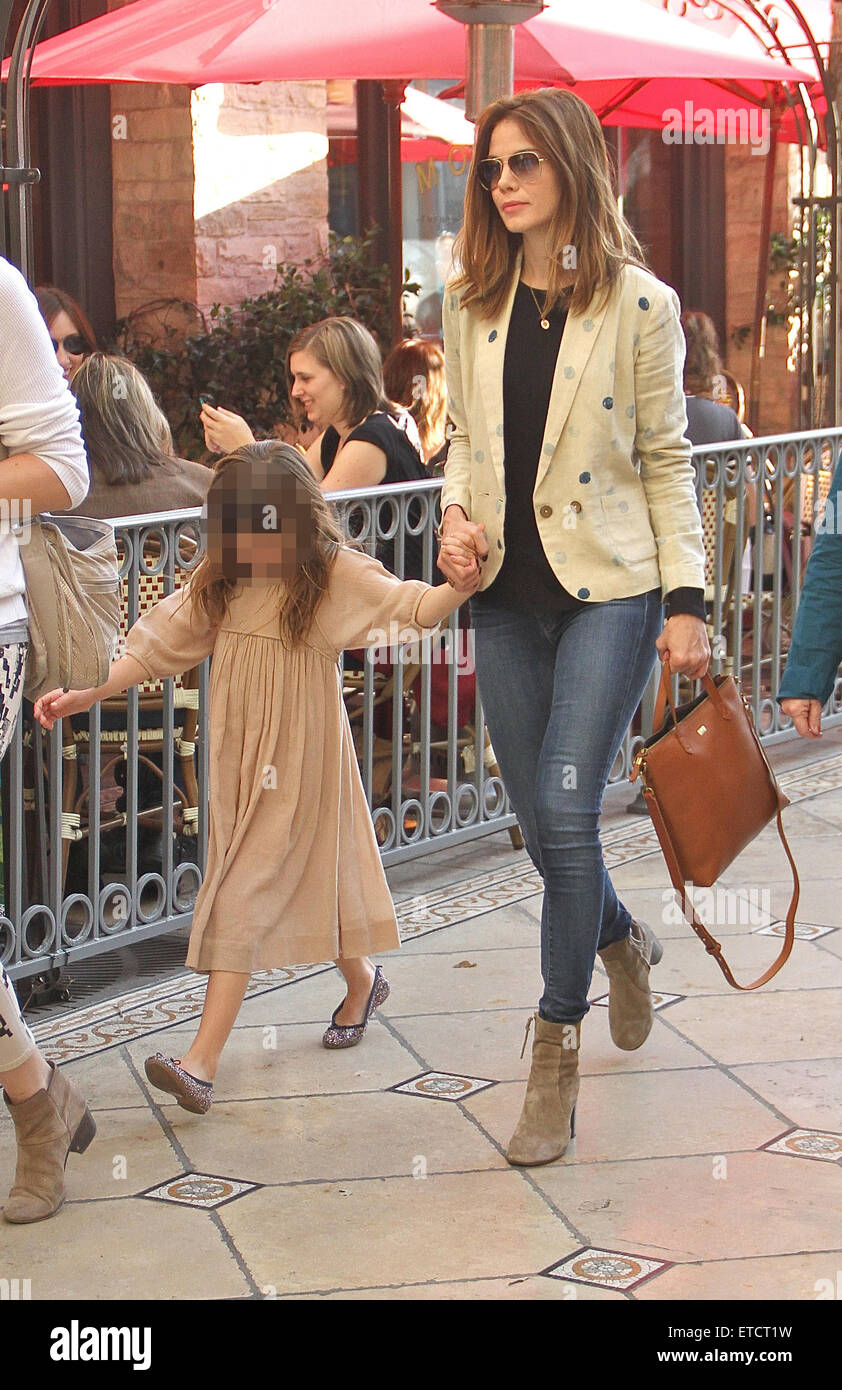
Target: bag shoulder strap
<point x="711" y="945"/>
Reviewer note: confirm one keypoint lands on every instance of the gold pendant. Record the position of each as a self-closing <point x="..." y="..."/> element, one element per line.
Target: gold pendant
<point x="545" y="323"/>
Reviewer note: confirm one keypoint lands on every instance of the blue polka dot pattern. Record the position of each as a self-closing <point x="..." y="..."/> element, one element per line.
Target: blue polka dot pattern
<point x="623" y="507"/>
<point x="492" y="335"/>
<point x="648" y="432"/>
<point x="569" y="373"/>
<point x="500" y="431"/>
<point x="630" y="411"/>
<point x="479" y="456"/>
<point x="615" y="560"/>
<point x="635" y="340"/>
<point x="499" y="545"/>
<point x="584" y="477"/>
<point x="560" y="558"/>
<point x="588" y="325"/>
<point x="643" y="303"/>
<point x="608" y="402"/>
<point x="583" y="593"/>
<point x="549" y="448"/>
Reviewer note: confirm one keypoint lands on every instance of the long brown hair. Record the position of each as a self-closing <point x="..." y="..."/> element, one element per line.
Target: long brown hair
<point x="703" y="361"/>
<point x="413" y="375"/>
<point x="564" y="130"/>
<point x="248" y="482"/>
<point x="51" y="302"/>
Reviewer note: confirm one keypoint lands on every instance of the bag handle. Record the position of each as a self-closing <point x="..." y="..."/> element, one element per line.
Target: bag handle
<point x="711" y="945"/>
<point x="664" y="698"/>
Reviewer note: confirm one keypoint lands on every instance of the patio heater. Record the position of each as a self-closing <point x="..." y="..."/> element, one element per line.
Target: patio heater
<point x="490" y="46"/>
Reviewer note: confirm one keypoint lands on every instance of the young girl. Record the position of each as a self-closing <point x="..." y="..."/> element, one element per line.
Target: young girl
<point x="293" y="871"/>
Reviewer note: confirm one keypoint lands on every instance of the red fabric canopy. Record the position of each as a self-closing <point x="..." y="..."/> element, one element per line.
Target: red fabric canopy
<point x="273" y="40"/>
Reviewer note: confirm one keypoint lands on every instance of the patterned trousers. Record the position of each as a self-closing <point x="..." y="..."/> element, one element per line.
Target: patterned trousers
<point x="16" y="1042"/>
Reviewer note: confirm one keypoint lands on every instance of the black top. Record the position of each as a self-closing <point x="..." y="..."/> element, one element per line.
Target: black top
<point x="526" y="579"/>
<point x="403" y="465"/>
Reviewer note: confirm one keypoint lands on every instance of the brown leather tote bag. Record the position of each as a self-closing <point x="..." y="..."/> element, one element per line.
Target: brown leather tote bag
<point x="710" y="790"/>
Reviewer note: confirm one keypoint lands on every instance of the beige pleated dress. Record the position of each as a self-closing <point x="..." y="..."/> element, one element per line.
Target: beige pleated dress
<point x="293" y="873"/>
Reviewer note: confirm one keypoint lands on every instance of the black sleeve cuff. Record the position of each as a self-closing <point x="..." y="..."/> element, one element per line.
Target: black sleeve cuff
<point x="690" y="601"/>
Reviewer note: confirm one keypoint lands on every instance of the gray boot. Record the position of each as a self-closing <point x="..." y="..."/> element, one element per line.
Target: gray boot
<point x="546" y="1123"/>
<point x="48" y="1126"/>
<point x="629" y="998"/>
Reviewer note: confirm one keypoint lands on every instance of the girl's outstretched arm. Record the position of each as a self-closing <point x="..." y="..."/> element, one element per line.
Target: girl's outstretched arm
<point x="437" y="604"/>
<point x="57" y="704"/>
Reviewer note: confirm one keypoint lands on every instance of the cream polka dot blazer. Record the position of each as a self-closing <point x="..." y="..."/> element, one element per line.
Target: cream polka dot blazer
<point x="614" y="497"/>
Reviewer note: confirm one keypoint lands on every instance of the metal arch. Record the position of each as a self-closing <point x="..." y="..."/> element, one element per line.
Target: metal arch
<point x="818" y="357"/>
<point x="16" y="175"/>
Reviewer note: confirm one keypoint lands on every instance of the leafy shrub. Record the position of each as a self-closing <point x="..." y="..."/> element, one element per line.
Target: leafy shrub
<point x="237" y="355"/>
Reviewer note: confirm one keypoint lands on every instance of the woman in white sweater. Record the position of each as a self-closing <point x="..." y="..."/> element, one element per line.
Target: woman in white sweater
<point x="42" y="468"/>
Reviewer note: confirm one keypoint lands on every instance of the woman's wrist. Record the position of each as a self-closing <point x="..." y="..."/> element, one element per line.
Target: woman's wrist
<point x="453" y="507"/>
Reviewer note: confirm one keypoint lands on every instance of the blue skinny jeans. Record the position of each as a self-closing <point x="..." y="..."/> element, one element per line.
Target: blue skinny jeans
<point x="559" y="692"/>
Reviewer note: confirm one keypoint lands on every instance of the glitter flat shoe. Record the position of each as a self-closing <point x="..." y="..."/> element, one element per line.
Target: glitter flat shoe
<point x="340" y="1035"/>
<point x="191" y="1093"/>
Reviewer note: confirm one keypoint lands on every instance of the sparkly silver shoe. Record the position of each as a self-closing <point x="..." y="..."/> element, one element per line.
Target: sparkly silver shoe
<point x="191" y="1093"/>
<point x="340" y="1035"/>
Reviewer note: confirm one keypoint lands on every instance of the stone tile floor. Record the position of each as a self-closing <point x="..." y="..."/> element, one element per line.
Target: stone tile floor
<point x="706" y="1166"/>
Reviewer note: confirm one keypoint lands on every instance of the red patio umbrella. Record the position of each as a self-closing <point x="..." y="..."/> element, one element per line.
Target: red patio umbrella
<point x="272" y="40"/>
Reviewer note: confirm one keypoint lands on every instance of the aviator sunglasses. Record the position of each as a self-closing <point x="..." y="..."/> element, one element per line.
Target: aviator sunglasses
<point x="74" y="344"/>
<point x="525" y="166"/>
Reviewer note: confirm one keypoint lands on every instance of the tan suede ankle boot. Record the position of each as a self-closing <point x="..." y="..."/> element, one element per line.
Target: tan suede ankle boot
<point x="629" y="997"/>
<point x="48" y="1126"/>
<point x="546" y="1123"/>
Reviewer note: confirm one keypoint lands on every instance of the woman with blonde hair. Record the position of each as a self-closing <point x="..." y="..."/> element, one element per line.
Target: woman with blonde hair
<point x="335" y="378"/>
<point x="569" y="489"/>
<point x="133" y="466"/>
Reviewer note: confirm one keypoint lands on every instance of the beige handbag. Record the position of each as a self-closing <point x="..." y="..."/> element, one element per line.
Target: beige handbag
<point x="72" y="601"/>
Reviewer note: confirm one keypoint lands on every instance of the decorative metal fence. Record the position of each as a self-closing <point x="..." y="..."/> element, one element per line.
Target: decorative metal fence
<point x="105" y="819"/>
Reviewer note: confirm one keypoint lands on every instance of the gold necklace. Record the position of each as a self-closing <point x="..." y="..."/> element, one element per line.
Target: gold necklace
<point x="545" y="323"/>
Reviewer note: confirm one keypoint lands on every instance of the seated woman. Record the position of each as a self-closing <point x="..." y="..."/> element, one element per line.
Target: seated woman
<point x="413" y="376"/>
<point x="133" y="471"/>
<point x="131" y="458"/>
<point x="71" y="333"/>
<point x="709" y="420"/>
<point x="365" y="440"/>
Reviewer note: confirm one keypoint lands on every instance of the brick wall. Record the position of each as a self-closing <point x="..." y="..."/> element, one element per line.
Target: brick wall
<point x="261" y="193"/>
<point x="152" y="175"/>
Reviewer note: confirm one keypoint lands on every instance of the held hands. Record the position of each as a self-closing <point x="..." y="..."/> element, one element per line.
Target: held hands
<point x="806" y="715"/>
<point x="57" y="704"/>
<point x="683" y="646"/>
<point x="224" y="430"/>
<point x="463" y="551"/>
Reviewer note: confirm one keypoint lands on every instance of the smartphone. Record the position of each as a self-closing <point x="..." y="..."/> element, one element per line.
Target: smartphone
<point x="207" y="400"/>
